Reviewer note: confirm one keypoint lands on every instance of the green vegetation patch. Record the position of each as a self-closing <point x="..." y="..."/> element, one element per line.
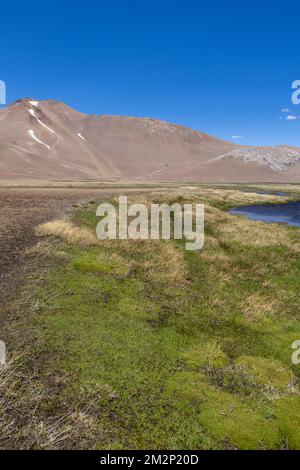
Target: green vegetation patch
<point x="176" y="349"/>
<point x="208" y="354"/>
<point x="287" y="411"/>
<point x="266" y="372"/>
<point x="231" y="420"/>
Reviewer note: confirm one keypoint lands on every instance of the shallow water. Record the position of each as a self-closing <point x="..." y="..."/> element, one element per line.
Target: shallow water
<point x="261" y="191"/>
<point x="288" y="213"/>
<point x="276" y="193"/>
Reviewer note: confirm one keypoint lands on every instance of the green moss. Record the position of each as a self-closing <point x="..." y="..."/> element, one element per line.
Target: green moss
<point x="92" y="266"/>
<point x="225" y="416"/>
<point x="287" y="412"/>
<point x="229" y="419"/>
<point x="266" y="372"/>
<point x="96" y="260"/>
<point x="186" y="388"/>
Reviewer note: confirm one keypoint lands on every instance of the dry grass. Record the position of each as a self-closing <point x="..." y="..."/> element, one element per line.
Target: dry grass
<point x="119" y="264"/>
<point x="155" y="258"/>
<point x="213" y="196"/>
<point x="78" y="236"/>
<point x="257" y="307"/>
<point x="47" y="249"/>
<point x="232" y="228"/>
<point x="158" y="258"/>
<point x="245" y="232"/>
<point x="168" y="261"/>
<point x="25" y="421"/>
<point x="209" y="197"/>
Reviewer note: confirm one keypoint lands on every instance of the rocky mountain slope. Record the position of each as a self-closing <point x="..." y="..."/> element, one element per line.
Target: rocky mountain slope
<point x="50" y="140"/>
<point x="278" y="158"/>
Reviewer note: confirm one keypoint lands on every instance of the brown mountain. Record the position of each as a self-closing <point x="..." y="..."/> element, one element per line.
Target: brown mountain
<point x="49" y="140"/>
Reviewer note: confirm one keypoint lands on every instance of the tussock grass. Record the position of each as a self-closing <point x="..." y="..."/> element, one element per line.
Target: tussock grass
<point x="64" y="229"/>
<point x="158" y="259"/>
<point x="257" y="234"/>
<point x="257" y="307"/>
<point x="205" y="355"/>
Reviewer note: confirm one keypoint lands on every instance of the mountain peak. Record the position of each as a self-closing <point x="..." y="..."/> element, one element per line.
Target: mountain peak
<point x="47" y="139"/>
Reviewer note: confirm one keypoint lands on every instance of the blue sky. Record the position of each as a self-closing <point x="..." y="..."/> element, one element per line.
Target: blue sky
<point x="222" y="67"/>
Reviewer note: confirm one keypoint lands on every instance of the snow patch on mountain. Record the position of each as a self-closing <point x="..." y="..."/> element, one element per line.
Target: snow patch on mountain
<point x="32" y="134"/>
<point x="40" y="122"/>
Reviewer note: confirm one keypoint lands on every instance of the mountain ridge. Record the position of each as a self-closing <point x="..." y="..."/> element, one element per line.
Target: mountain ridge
<point x="47" y="139"/>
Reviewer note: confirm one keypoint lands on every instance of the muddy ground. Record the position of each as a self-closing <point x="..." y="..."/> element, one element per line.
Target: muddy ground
<point x="20" y="211"/>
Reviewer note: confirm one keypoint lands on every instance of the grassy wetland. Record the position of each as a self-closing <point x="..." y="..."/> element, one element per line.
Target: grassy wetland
<point x="142" y="344"/>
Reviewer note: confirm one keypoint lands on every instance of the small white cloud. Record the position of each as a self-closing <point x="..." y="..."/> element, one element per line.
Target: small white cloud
<point x="236" y="136"/>
<point x="286" y="110"/>
<point x="291" y="117"/>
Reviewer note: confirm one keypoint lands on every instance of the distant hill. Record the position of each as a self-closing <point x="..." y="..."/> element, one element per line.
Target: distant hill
<point x="49" y="140"/>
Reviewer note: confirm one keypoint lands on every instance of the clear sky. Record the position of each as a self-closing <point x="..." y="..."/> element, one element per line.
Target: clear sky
<point x="222" y="67"/>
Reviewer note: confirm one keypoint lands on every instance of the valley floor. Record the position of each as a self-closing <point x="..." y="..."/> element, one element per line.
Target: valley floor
<point x="142" y="344"/>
